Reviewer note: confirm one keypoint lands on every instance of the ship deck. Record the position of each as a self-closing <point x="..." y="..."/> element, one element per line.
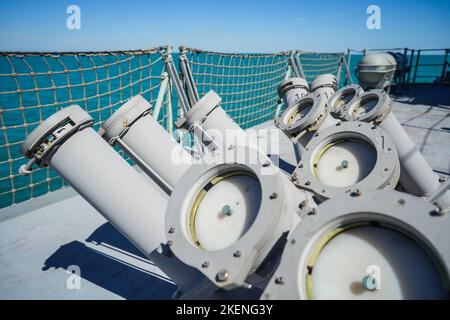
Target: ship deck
<point x="40" y="238"/>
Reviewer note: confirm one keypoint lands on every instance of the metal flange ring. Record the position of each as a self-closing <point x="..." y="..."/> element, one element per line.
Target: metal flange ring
<point x="373" y="105"/>
<point x="43" y="141"/>
<point x="411" y="217"/>
<point x="346" y="156"/>
<point x="243" y="255"/>
<point x="343" y="97"/>
<point x="306" y="114"/>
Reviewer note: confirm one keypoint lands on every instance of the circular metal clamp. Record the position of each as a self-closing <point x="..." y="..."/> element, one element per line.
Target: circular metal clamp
<point x="401" y="216"/>
<point x="43" y="141"/>
<point x="307" y="114"/>
<point x="297" y="84"/>
<point x="348" y="155"/>
<point x="373" y="105"/>
<point x="200" y="193"/>
<point x="201" y="109"/>
<point x="117" y="125"/>
<point x="344" y="96"/>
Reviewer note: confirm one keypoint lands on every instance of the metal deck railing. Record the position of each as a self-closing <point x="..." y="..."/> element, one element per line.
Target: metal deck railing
<point x="421" y="66"/>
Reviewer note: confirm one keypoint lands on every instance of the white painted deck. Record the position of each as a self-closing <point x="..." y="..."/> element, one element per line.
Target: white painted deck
<point x="41" y="237"/>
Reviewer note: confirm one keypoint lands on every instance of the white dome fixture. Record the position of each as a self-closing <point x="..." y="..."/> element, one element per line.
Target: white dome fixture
<point x="342" y="97"/>
<point x="140" y="136"/>
<point x="67" y="142"/>
<point x="369" y="245"/>
<point x="325" y="85"/>
<point x="376" y="70"/>
<point x="292" y="89"/>
<point x="218" y="128"/>
<point x="224" y="218"/>
<point x="417" y="177"/>
<point x="349" y="155"/>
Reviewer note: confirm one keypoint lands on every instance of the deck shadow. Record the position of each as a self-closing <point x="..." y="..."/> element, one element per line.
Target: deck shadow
<point x="115" y="275"/>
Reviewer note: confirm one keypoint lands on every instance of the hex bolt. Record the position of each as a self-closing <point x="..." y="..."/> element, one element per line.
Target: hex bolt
<point x="369" y="283"/>
<point x="280" y="280"/>
<point x="226" y="210"/>
<point x="442" y="179"/>
<point x="344" y="164"/>
<point x="222" y="275"/>
<point x="356" y="193"/>
<point x="237" y="254"/>
<point x="205" y="264"/>
<point x="273" y="196"/>
<point x="172" y="230"/>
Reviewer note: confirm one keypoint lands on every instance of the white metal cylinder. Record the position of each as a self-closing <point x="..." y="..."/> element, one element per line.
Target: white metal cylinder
<point x="224" y="218"/>
<point x="216" y="122"/>
<point x="66" y="142"/>
<point x="416" y="176"/>
<point x="147" y="138"/>
<point x="113" y="187"/>
<point x="292" y="90"/>
<point x="366" y="245"/>
<point x="325" y="85"/>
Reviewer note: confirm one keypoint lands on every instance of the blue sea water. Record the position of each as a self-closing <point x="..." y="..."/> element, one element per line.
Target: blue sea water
<point x="101" y="83"/>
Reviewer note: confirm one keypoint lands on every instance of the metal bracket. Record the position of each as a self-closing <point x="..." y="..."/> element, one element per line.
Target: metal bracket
<point x="147" y="169"/>
<point x="166" y="53"/>
<point x="187" y="78"/>
<point x="194" y="129"/>
<point x="161" y="94"/>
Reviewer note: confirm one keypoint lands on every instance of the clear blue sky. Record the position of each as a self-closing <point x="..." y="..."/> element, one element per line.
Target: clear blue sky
<point x="231" y="26"/>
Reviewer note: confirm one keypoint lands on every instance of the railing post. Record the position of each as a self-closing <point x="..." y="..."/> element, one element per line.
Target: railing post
<point x="405" y="55"/>
<point x="347" y="67"/>
<point x="411" y="60"/>
<point x="417" y="65"/>
<point x="338" y="76"/>
<point x="299" y="65"/>
<point x="444" y="67"/>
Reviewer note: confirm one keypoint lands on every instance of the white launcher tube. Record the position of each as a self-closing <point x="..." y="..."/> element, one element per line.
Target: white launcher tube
<point x="216" y="123"/>
<point x="148" y="140"/>
<point x="102" y="177"/>
<point x="417" y="177"/>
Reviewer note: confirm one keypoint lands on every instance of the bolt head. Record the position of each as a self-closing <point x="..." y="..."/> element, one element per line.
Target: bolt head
<point x="280" y="280"/>
<point x="222" y="276"/>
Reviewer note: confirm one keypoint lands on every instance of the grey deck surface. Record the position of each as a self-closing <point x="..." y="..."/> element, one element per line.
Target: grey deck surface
<point x="41" y="238"/>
